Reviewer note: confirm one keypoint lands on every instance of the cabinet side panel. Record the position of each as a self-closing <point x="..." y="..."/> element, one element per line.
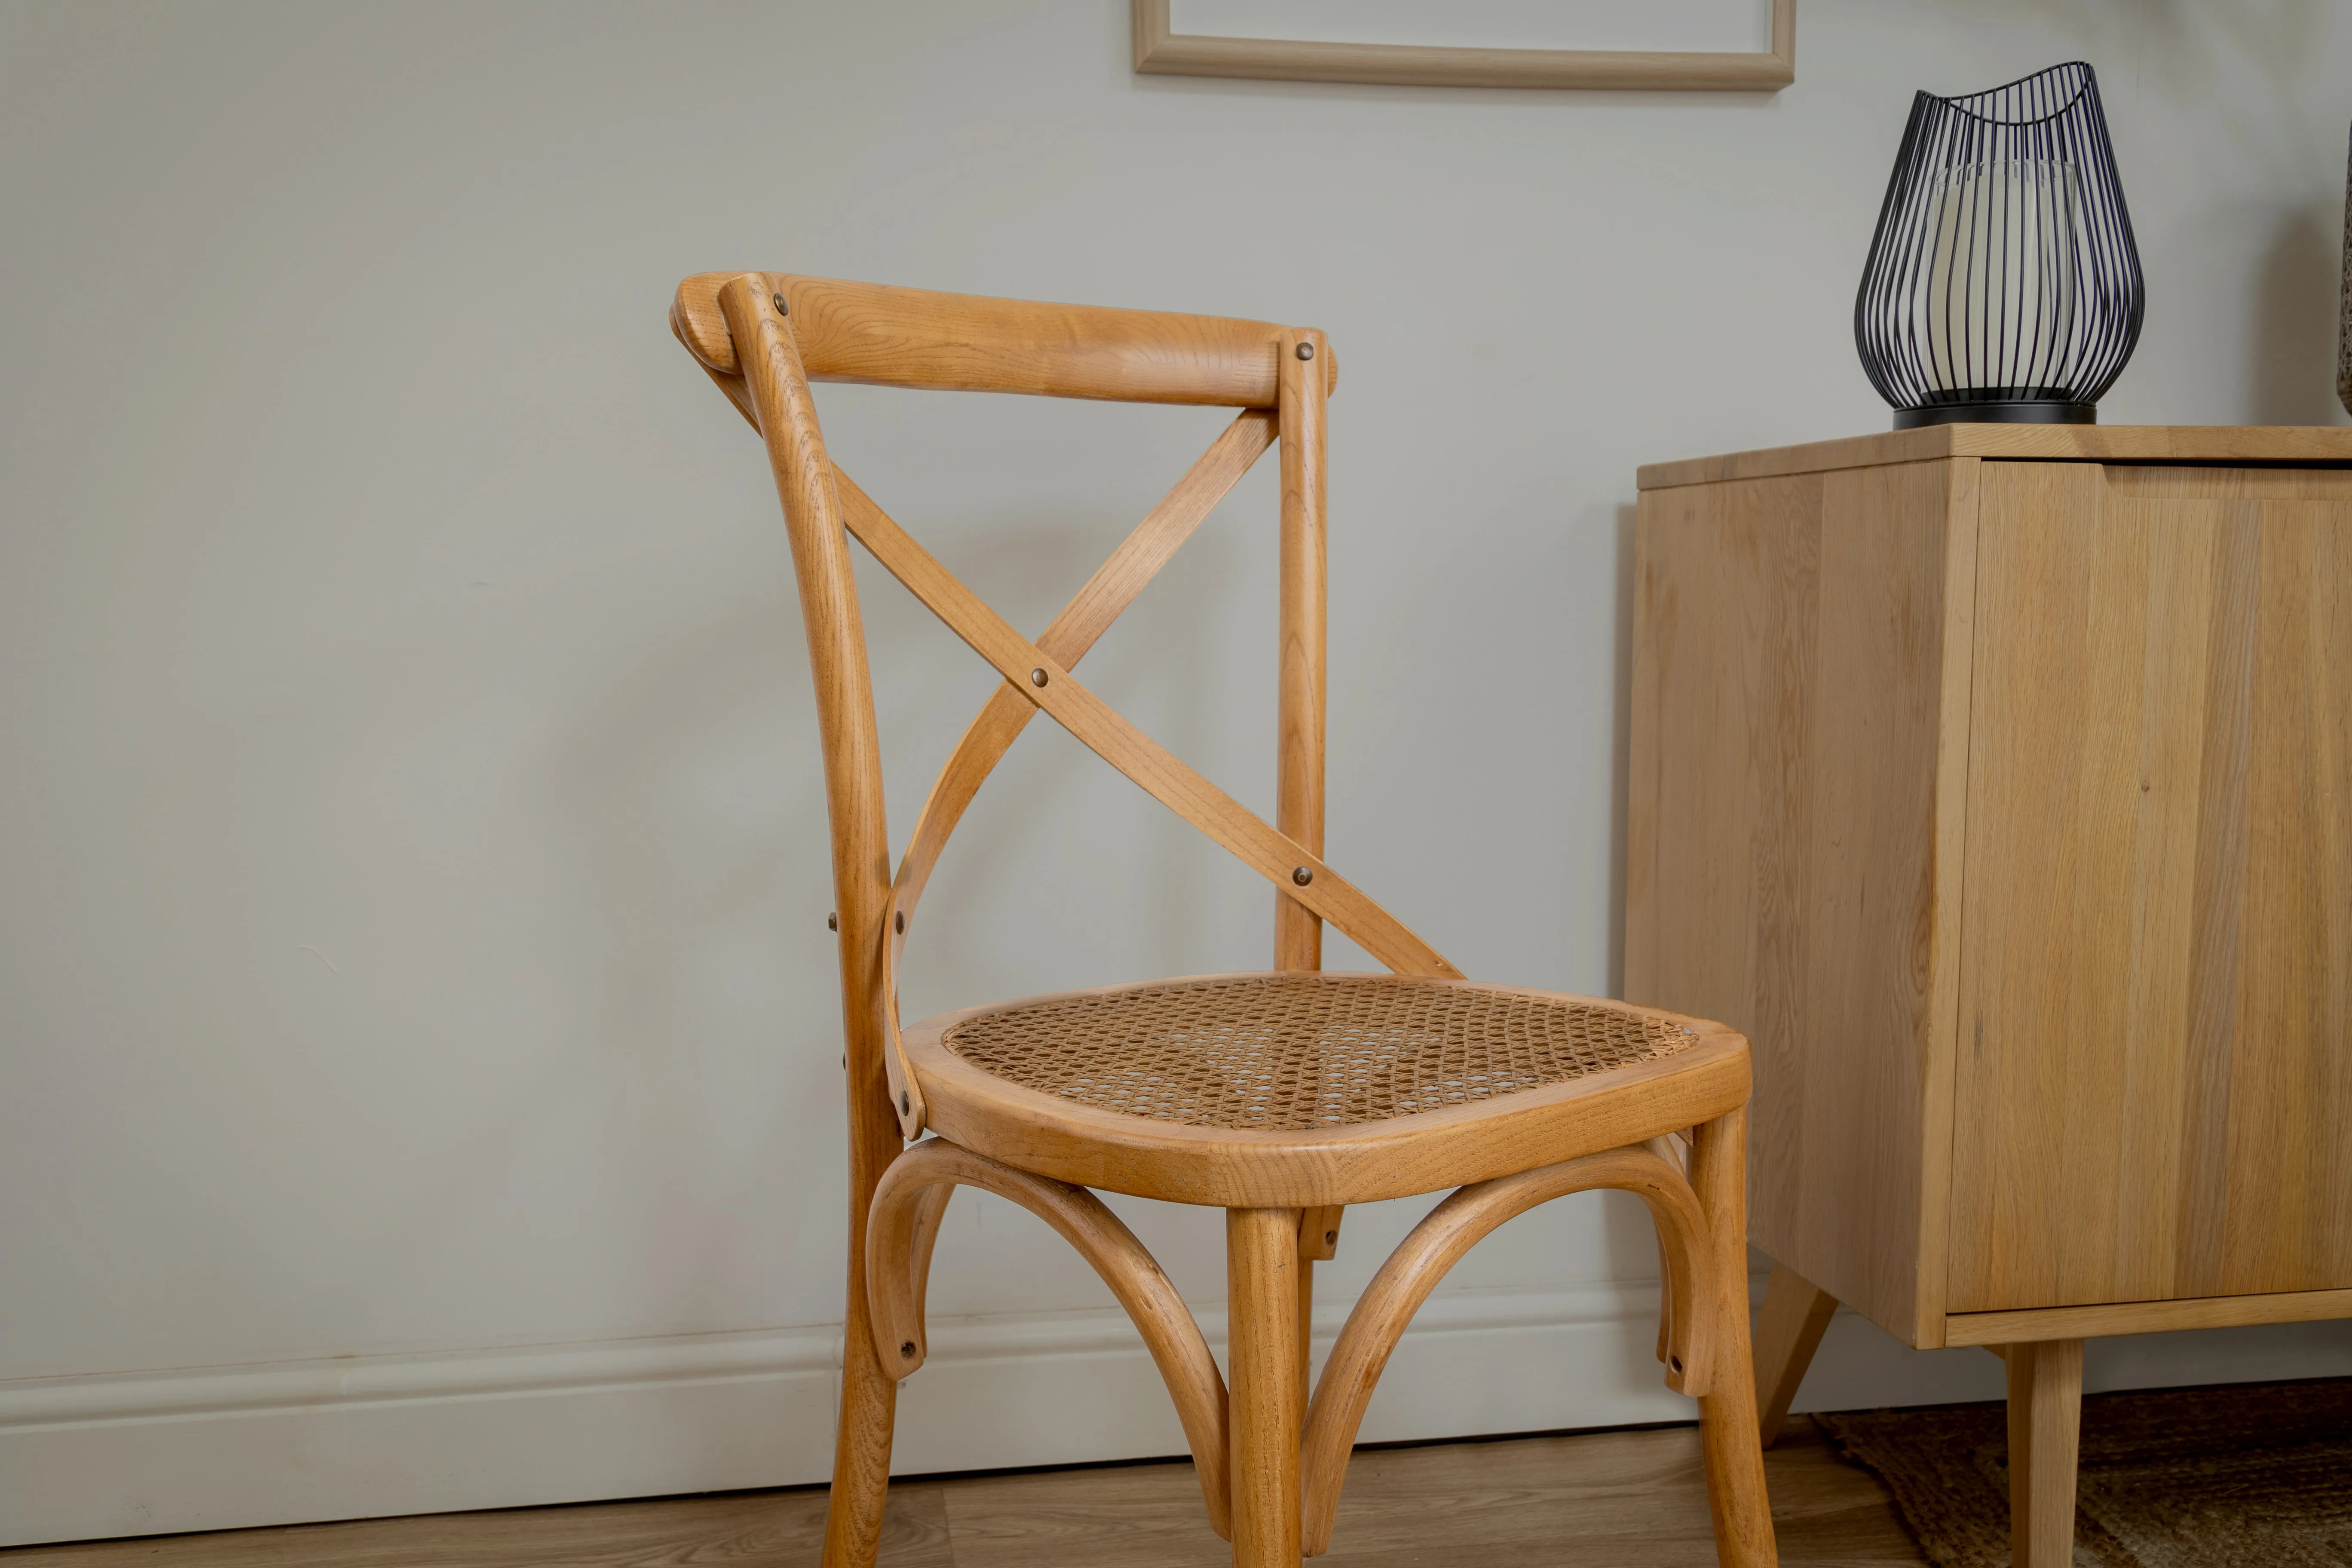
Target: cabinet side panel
<point x="1689" y="874"/>
<point x="1788" y="672"/>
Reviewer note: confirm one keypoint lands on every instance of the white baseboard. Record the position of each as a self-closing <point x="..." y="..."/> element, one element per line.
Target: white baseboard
<point x="225" y="1447"/>
<point x="230" y="1447"/>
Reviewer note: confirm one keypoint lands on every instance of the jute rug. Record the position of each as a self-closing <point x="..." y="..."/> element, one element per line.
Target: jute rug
<point x="2177" y="1478"/>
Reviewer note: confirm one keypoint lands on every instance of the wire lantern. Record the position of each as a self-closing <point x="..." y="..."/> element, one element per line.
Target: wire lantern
<point x="2002" y="283"/>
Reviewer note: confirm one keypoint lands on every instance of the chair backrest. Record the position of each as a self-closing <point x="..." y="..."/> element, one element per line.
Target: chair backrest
<point x="764" y="337"/>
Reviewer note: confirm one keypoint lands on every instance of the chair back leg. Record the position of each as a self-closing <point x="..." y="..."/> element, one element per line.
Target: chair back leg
<point x="1264" y="1356"/>
<point x="1726" y="1412"/>
<point x="861" y="1453"/>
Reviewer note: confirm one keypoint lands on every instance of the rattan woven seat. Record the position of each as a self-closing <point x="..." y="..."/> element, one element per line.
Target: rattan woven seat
<point x="1279" y="1096"/>
<point x="1302" y="1052"/>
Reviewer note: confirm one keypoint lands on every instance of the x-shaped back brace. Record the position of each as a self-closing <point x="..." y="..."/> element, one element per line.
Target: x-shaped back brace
<point x="1037" y="675"/>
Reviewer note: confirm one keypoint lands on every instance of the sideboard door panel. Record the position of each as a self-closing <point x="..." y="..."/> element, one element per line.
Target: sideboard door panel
<point x="2153" y="1096"/>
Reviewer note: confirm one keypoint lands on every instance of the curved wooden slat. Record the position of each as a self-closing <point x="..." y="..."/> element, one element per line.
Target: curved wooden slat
<point x="931" y="1213"/>
<point x="1134" y="1275"/>
<point x="882" y="335"/>
<point x="1089" y="613"/>
<point x="1438" y="1242"/>
<point x="1046" y="681"/>
<point x="1085" y="617"/>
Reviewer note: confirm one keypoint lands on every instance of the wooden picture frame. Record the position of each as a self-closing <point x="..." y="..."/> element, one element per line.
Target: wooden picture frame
<point x="1161" y="52"/>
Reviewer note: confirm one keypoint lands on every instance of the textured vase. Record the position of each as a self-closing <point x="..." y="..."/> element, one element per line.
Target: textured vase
<point x="2343" y="304"/>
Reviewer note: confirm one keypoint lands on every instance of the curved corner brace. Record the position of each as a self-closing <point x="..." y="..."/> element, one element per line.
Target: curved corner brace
<point x="1439" y="1241"/>
<point x="904" y="1223"/>
<point x="930" y="1213"/>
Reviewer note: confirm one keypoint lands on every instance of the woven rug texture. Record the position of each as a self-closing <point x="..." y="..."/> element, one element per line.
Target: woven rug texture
<point x="2176" y="1477"/>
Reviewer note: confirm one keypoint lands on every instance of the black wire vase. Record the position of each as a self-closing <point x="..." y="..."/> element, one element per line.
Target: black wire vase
<point x="2002" y="284"/>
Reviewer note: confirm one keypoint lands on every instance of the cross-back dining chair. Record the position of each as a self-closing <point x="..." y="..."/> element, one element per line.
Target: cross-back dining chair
<point x="1279" y="1096"/>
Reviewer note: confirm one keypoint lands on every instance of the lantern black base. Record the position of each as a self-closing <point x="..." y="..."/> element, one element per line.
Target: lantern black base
<point x="2022" y="411"/>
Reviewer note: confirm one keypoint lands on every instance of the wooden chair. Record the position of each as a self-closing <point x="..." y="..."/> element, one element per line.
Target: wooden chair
<point x="1279" y="1096"/>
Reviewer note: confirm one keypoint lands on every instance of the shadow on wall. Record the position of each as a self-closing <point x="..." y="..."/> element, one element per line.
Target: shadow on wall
<point x="2292" y="377"/>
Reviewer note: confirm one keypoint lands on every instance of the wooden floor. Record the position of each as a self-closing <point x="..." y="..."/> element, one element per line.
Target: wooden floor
<point x="1606" y="1500"/>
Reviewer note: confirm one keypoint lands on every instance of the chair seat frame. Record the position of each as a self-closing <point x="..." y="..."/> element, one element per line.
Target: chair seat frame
<point x="1671" y="1130"/>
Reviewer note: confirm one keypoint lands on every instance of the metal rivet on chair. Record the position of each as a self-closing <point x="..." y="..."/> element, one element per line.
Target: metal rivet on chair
<point x="832" y="922"/>
<point x="900" y="920"/>
<point x="778" y="300"/>
<point x="1307" y="350"/>
<point x="1036" y="677"/>
<point x="905" y="1107"/>
<point x="1303" y="875"/>
<point x="908" y="1349"/>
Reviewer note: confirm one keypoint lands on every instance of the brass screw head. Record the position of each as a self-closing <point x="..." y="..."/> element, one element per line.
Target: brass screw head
<point x="1036" y="677"/>
<point x="1307" y="350"/>
<point x="1303" y="875"/>
<point x="907" y="1351"/>
<point x="899" y="920"/>
<point x="905" y="1106"/>
<point x="778" y="301"/>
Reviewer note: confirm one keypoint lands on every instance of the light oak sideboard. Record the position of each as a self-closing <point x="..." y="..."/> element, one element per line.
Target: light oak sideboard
<point x="1997" y="782"/>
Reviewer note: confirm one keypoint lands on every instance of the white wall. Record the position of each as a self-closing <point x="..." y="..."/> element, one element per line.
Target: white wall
<point x="419" y="1031"/>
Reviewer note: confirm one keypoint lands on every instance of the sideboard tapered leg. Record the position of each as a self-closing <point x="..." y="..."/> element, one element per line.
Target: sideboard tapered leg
<point x="1789" y="1331"/>
<point x="2045" y="1421"/>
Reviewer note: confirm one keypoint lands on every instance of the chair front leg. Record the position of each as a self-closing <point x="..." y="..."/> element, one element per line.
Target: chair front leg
<point x="1264" y="1355"/>
<point x="1726" y="1412"/>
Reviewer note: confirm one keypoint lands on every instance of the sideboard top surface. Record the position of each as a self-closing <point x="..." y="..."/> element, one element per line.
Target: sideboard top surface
<point x="2305" y="444"/>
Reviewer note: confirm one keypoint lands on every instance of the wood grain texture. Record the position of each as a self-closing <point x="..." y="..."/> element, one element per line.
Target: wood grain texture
<point x="770" y="365"/>
<point x="896" y="1241"/>
<point x="1072" y="633"/>
<point x="1262" y="1324"/>
<point x="2144" y="1317"/>
<point x="1602" y="1499"/>
<point x="1158" y="52"/>
<point x="1796" y="1313"/>
<point x="1302" y="639"/>
<point x="2045" y="1423"/>
<point x="886" y="336"/>
<point x="1046" y="681"/>
<point x="760" y="337"/>
<point x="1439" y="1240"/>
<point x="2153" y="1100"/>
<point x="2313" y="446"/>
<point x="1357" y="1163"/>
<point x="1733" y="1448"/>
<point x="1068" y="638"/>
<point x="1799" y="663"/>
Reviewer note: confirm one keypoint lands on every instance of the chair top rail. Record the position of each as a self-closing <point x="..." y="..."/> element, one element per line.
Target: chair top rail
<point x="887" y="336"/>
